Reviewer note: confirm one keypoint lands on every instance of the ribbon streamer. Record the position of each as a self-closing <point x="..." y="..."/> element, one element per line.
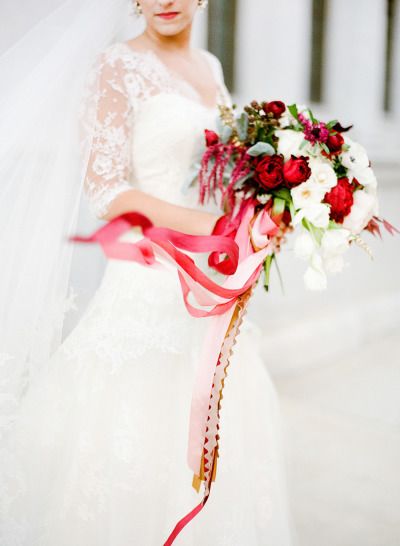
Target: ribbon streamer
<point x="226" y="304"/>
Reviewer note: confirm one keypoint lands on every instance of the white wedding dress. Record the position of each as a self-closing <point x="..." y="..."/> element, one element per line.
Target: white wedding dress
<point x="97" y="456"/>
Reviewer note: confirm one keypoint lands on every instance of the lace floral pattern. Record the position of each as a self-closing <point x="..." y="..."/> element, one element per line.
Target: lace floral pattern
<point x="120" y="82"/>
<point x="99" y="452"/>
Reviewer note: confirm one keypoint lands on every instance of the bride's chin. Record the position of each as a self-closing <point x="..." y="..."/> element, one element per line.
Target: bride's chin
<point x="170" y="28"/>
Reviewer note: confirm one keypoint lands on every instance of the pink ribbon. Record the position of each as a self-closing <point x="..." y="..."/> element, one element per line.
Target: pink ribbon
<point x="242" y="265"/>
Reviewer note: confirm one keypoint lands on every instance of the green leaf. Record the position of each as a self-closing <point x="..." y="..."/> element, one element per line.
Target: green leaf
<point x="292" y="210"/>
<point x="261" y="148"/>
<point x="325" y="147"/>
<point x="303" y="144"/>
<point x="316" y="233"/>
<point x="313" y="119"/>
<point x="293" y="110"/>
<point x="279" y="206"/>
<point x="334" y="225"/>
<point x="243" y="126"/>
<point x="331" y="123"/>
<point x="283" y="193"/>
<point x="226" y="134"/>
<point x="279" y="276"/>
<point x="267" y="269"/>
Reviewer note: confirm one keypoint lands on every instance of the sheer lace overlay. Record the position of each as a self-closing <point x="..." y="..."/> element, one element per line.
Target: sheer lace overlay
<point x="97" y="456"/>
<point x="120" y="82"/>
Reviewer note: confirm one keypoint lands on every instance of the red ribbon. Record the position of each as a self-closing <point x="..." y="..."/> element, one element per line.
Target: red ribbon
<point x="223" y="245"/>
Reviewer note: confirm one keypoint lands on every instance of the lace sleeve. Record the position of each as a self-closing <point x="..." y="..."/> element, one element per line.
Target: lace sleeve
<point x="108" y="146"/>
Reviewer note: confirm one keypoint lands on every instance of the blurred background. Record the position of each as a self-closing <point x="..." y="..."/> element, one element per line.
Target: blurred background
<point x="335" y="355"/>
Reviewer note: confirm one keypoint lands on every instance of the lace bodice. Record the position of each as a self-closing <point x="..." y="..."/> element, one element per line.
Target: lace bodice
<point x="148" y="126"/>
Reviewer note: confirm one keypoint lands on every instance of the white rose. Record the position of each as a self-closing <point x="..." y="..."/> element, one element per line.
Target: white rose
<point x="315" y="276"/>
<point x="289" y="143"/>
<point x="356" y="157"/>
<point x="361" y="212"/>
<point x="306" y="194"/>
<point x="322" y="174"/>
<point x="304" y="245"/>
<point x="317" y="214"/>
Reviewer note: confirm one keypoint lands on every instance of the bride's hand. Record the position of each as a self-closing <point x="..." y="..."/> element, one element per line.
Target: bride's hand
<point x="162" y="213"/>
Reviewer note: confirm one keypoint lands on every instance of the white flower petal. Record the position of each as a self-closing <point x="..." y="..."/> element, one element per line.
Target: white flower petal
<point x="356" y="157"/>
<point x="335" y="241"/>
<point x="361" y="212"/>
<point x="323" y="174"/>
<point x="306" y="194"/>
<point x="304" y="245"/>
<point x="315" y="276"/>
<point x="289" y="143"/>
<point x="318" y="215"/>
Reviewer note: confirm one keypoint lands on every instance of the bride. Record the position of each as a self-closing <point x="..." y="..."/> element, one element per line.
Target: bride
<point x="97" y="453"/>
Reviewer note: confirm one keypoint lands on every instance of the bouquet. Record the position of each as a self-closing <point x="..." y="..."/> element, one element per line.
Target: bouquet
<point x="273" y="169"/>
<point x="310" y="177"/>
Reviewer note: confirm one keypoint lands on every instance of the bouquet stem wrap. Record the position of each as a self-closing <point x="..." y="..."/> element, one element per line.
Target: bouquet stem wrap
<point x="225" y="304"/>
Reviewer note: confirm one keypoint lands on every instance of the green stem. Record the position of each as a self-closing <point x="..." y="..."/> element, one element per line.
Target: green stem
<point x="267" y="269"/>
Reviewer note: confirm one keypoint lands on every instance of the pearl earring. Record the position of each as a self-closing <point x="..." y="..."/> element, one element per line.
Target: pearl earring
<point x="203" y="4"/>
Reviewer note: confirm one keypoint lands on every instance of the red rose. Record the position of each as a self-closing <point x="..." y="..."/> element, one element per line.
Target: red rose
<point x="335" y="142"/>
<point x="296" y="170"/>
<point x="211" y="137"/>
<point x="275" y="107"/>
<point x="269" y="171"/>
<point x="340" y="198"/>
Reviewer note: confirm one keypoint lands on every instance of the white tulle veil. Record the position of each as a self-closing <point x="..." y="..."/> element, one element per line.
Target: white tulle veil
<point x="42" y="78"/>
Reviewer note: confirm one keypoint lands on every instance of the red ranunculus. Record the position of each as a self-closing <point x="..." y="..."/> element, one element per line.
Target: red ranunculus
<point x="275" y="107"/>
<point x="269" y="171"/>
<point x="211" y="137"/>
<point x="296" y="170"/>
<point x="335" y="142"/>
<point x="340" y="198"/>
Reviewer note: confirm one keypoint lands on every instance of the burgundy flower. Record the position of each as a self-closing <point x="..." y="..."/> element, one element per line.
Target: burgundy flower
<point x="340" y="198"/>
<point x="314" y="132"/>
<point x="335" y="143"/>
<point x="275" y="107"/>
<point x="269" y="171"/>
<point x="296" y="170"/>
<point x="211" y="137"/>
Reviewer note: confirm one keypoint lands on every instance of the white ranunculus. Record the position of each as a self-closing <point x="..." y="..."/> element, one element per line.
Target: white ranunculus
<point x="315" y="276"/>
<point x="366" y="177"/>
<point x="356" y="157"/>
<point x="361" y="212"/>
<point x="306" y="194"/>
<point x="289" y="143"/>
<point x="322" y="174"/>
<point x="304" y="245"/>
<point x="317" y="214"/>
